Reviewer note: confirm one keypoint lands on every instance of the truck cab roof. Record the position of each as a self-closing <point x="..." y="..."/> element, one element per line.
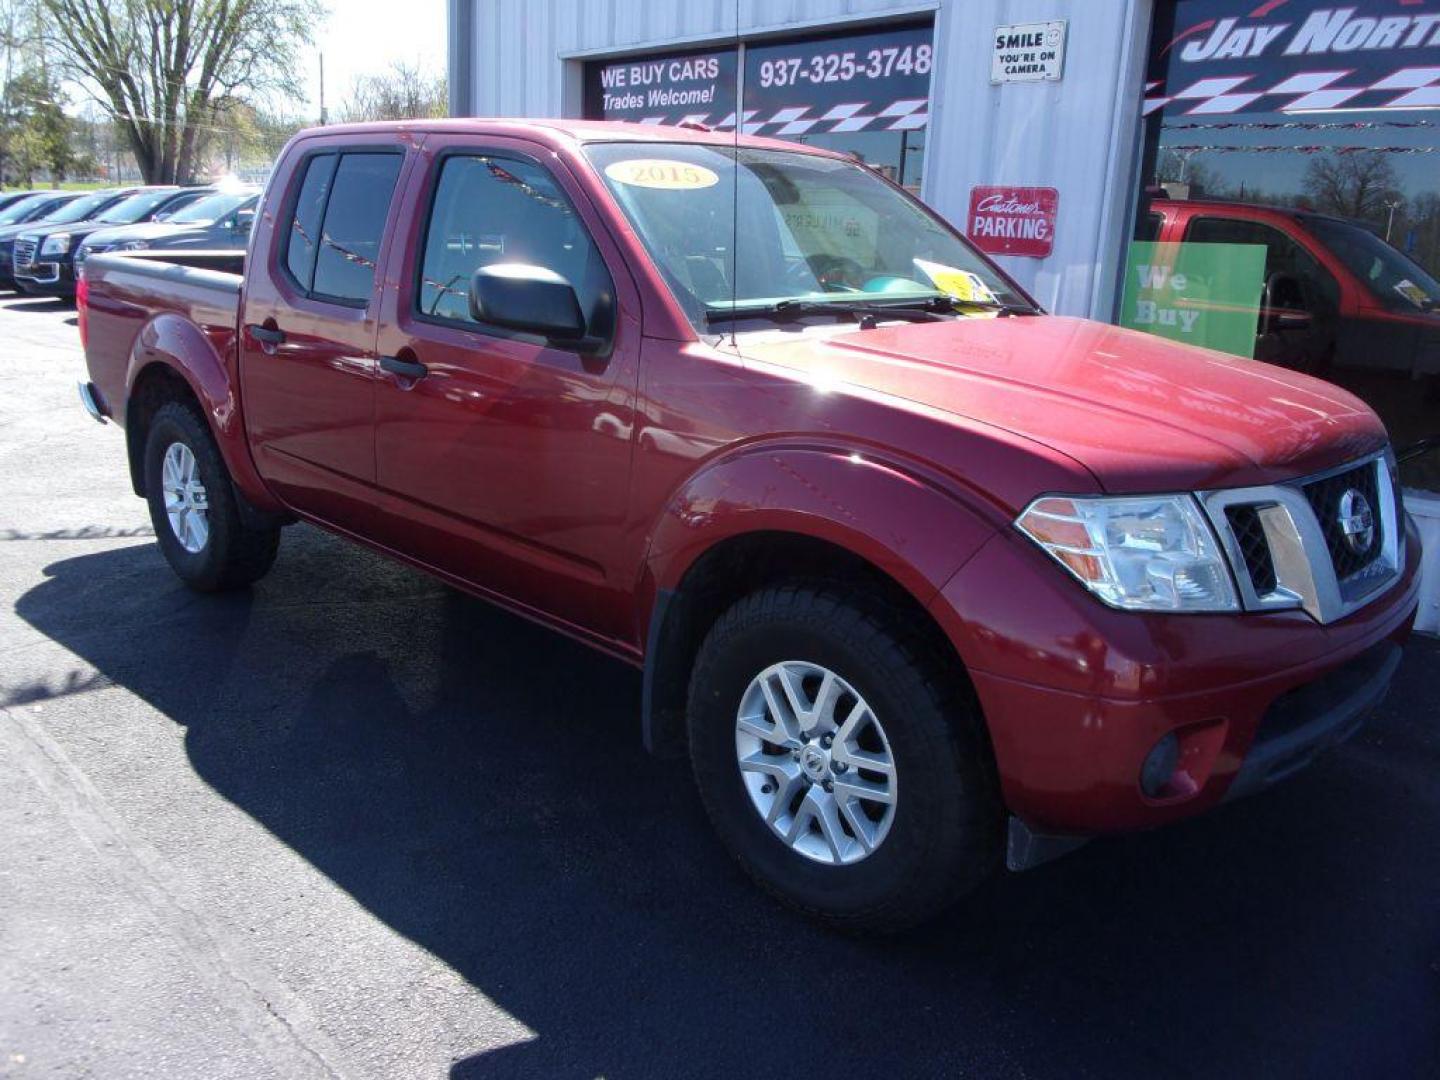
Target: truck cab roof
<point x="569" y="132"/>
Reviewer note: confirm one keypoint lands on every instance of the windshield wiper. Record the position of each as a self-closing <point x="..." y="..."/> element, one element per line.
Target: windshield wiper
<point x="785" y="310"/>
<point x="949" y="303"/>
<point x="930" y="309"/>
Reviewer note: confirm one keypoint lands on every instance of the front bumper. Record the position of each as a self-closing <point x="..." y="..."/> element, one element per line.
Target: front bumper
<point x="47" y="278"/>
<point x="1076" y="695"/>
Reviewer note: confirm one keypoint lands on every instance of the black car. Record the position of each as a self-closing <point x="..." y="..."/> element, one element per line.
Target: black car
<point x="219" y="222"/>
<point x="15" y="218"/>
<point x="9" y="198"/>
<point x="44" y="256"/>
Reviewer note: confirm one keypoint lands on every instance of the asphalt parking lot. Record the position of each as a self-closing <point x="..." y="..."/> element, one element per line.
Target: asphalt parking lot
<point x="352" y="823"/>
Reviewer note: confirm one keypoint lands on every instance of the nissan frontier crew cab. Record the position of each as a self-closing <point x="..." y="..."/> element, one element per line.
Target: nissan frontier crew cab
<point x="923" y="580"/>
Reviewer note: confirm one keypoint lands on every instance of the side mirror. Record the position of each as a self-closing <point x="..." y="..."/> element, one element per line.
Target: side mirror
<point x="242" y="220"/>
<point x="1282" y="306"/>
<point x="530" y="299"/>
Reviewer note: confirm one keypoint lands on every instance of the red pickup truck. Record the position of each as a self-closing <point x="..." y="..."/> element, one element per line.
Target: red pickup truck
<point x="922" y="579"/>
<point x="1338" y="302"/>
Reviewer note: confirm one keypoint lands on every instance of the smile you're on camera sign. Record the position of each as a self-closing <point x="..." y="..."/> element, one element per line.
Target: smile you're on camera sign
<point x="1028" y="52"/>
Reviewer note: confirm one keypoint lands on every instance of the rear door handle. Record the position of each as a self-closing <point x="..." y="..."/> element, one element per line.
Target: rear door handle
<point x="266" y="335"/>
<point x="409" y="368"/>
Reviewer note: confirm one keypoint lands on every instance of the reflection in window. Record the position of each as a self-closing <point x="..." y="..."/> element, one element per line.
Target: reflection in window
<point x="354" y="224"/>
<point x="1313" y="129"/>
<point x="499" y="210"/>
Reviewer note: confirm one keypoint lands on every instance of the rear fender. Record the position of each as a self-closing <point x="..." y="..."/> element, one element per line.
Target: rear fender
<point x="177" y="343"/>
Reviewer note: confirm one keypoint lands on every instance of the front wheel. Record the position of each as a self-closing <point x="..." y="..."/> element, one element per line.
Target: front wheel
<point x="194" y="509"/>
<point x="839" y="762"/>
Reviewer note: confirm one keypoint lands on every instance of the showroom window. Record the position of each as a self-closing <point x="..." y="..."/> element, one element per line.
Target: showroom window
<point x="864" y="93"/>
<point x="1290" y="203"/>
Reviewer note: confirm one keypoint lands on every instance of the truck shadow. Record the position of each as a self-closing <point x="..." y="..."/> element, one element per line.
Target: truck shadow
<point x="478" y="784"/>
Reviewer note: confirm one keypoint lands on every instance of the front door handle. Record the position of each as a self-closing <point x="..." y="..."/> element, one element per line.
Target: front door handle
<point x="411" y="369"/>
<point x="266" y="335"/>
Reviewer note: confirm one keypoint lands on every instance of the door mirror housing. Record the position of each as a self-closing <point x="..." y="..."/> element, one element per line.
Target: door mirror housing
<point x="531" y="299"/>
<point x="243" y="219"/>
<point x="1283" y="305"/>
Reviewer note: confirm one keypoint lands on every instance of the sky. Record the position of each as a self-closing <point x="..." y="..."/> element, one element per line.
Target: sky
<point x="363" y="37"/>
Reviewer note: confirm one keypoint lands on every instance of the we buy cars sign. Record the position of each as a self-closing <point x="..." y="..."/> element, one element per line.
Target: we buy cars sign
<point x="1013" y="220"/>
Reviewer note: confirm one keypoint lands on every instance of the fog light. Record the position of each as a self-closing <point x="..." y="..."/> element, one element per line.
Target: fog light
<point x="1160" y="766"/>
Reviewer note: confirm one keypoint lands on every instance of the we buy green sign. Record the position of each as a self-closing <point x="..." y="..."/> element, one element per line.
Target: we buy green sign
<point x="1201" y="294"/>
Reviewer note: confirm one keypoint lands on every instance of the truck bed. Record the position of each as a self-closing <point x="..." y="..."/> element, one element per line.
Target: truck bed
<point x="172" y="293"/>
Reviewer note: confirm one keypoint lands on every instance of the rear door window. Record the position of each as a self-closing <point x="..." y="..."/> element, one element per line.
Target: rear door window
<point x="304" y="236"/>
<point x="353" y="226"/>
<point x="338" y="222"/>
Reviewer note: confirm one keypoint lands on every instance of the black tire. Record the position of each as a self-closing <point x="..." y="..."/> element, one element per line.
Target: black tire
<point x="946" y="835"/>
<point x="234" y="555"/>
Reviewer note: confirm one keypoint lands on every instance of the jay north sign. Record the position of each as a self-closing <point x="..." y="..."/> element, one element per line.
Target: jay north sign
<point x="1233" y="56"/>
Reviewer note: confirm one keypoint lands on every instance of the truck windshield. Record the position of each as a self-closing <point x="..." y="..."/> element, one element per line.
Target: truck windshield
<point x="137" y="207"/>
<point x="212" y="208"/>
<point x="1386" y="272"/>
<point x="800" y="228"/>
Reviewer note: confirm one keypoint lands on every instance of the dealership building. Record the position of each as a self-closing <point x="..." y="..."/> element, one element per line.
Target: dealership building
<point x="1280" y="158"/>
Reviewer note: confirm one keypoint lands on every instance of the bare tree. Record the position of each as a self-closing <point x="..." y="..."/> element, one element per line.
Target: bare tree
<point x="1360" y="185"/>
<point x="402" y="92"/>
<point x="163" y="68"/>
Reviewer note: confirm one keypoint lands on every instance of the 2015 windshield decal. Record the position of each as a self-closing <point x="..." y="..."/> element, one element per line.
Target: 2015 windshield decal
<point x="661" y="173"/>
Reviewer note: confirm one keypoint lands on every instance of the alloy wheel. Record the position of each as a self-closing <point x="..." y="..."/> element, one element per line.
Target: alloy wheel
<point x="816" y="762"/>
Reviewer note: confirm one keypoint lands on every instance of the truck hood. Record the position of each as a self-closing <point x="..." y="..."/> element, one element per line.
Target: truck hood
<point x="1141" y="413"/>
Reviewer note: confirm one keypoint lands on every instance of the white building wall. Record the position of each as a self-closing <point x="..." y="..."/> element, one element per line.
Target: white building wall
<point x="1078" y="135"/>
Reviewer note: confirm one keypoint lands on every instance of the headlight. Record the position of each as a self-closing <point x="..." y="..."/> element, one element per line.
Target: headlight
<point x="131" y="245"/>
<point x="1140" y="554"/>
<point x="55" y="244"/>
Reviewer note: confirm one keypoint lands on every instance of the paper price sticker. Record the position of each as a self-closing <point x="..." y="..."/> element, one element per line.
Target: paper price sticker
<point x="961" y="284"/>
<point x="660" y="173"/>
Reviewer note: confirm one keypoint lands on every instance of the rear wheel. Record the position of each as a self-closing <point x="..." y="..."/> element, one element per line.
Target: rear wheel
<point x="839" y="762"/>
<point x="194" y="509"/>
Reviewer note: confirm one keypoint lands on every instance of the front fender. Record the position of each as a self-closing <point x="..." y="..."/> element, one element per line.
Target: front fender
<point x="199" y="358"/>
<point x="894" y="514"/>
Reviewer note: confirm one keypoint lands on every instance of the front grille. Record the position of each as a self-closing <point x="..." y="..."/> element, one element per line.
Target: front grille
<point x="1254" y="547"/>
<point x="24" y="252"/>
<point x="1325" y="497"/>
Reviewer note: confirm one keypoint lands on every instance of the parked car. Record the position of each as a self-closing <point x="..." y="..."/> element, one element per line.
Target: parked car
<point x="924" y="580"/>
<point x="52" y="246"/>
<point x="218" y="222"/>
<point x="1338" y="302"/>
<point x="10" y="198"/>
<point x="17" y="216"/>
